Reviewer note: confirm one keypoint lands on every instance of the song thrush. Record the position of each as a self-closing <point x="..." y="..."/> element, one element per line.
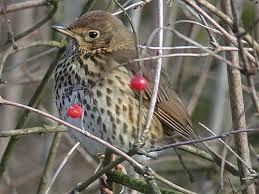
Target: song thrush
<point x="90" y="74"/>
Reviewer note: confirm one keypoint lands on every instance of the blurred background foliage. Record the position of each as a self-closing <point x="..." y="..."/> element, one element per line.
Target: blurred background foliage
<point x="24" y="71"/>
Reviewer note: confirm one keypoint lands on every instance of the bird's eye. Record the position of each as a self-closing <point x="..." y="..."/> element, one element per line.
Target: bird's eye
<point x="93" y="34"/>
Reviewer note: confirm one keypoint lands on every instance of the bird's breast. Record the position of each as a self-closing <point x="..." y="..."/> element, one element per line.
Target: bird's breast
<point x="109" y="104"/>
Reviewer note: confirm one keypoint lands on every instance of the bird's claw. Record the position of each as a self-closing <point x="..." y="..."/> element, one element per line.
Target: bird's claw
<point x="104" y="185"/>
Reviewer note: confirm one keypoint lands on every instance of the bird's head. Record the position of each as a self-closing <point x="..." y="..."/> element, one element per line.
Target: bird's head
<point x="98" y="30"/>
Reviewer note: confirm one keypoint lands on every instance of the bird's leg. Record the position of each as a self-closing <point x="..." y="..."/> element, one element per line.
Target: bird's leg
<point x="107" y="186"/>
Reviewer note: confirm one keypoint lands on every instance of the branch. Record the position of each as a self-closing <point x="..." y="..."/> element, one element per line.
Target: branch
<point x="133" y="162"/>
<point x="157" y="71"/>
<point x="19" y="48"/>
<point x="54" y="3"/>
<point x="24" y="5"/>
<point x="237" y="108"/>
<point x="227" y="35"/>
<point x="10" y="31"/>
<point x="33" y="102"/>
<point x="170" y="184"/>
<point x="49" y="164"/>
<point x="225" y="18"/>
<point x="33" y="130"/>
<point x="136" y="184"/>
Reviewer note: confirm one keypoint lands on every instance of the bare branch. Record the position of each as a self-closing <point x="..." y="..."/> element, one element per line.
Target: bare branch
<point x="34" y="130"/>
<point x="24" y="5"/>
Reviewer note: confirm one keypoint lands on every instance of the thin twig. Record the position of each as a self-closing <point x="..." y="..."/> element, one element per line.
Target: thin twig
<point x="190" y="41"/>
<point x="11" y="50"/>
<point x="54" y="4"/>
<point x="220" y="48"/>
<point x="225" y="18"/>
<point x="83" y="132"/>
<point x="197" y="91"/>
<point x="49" y="164"/>
<point x="24" y="117"/>
<point x="33" y="130"/>
<point x="82" y="186"/>
<point x="231" y="150"/>
<point x="10" y="33"/>
<point x="170" y="184"/>
<point x="209" y="138"/>
<point x="24" y="5"/>
<point x="60" y="167"/>
<point x="157" y="72"/>
<point x="33" y="58"/>
<point x="134" y="5"/>
<point x="231" y="38"/>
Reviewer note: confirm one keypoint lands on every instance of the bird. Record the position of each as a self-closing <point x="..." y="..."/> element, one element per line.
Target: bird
<point x="95" y="71"/>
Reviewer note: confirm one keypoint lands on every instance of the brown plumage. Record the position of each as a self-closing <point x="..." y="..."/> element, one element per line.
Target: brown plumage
<point x="87" y="74"/>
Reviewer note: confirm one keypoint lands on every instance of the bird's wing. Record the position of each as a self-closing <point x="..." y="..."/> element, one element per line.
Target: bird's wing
<point x="169" y="108"/>
<point x="171" y="111"/>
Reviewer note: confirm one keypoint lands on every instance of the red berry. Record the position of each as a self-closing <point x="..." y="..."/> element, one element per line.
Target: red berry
<point x="138" y="83"/>
<point x="74" y="111"/>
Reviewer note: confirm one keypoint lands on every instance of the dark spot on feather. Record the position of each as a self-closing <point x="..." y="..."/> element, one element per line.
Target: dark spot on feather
<point x="83" y="83"/>
<point x="113" y="137"/>
<point x="117" y="110"/>
<point x="102" y="136"/>
<point x="152" y="142"/>
<point x="90" y="82"/>
<point x="104" y="128"/>
<point x="112" y="118"/>
<point x="109" y="113"/>
<point x="108" y="101"/>
<point x="95" y="101"/>
<point x="110" y="81"/>
<point x="98" y="93"/>
<point x="79" y="97"/>
<point x="125" y="127"/>
<point x="95" y="109"/>
<point x="122" y="140"/>
<point x="124" y="108"/>
<point x="86" y="56"/>
<point x="108" y="90"/>
<point x="134" y="132"/>
<point x="120" y="100"/>
<point x="118" y="121"/>
<point x="131" y="113"/>
<point x="130" y="145"/>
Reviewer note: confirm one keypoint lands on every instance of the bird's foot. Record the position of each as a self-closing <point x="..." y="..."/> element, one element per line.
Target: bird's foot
<point x="104" y="186"/>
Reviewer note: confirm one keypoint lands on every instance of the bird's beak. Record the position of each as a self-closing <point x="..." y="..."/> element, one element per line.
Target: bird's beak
<point x="63" y="30"/>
